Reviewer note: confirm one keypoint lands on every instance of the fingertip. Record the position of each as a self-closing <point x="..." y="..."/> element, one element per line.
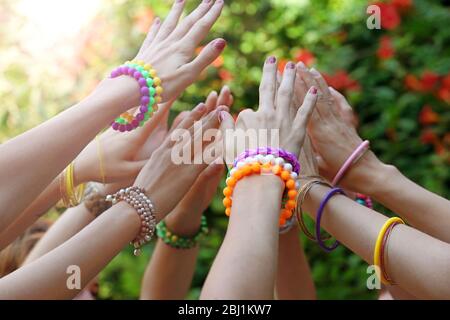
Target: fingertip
<point x="220" y="44"/>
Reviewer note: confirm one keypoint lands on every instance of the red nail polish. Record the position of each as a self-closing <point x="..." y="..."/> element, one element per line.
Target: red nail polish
<point x="220" y="44"/>
<point x="271" y="59"/>
<point x="313" y="90"/>
<point x="290" y="65"/>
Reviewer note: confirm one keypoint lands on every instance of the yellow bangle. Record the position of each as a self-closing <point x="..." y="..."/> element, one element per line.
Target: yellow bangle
<point x="100" y="159"/>
<point x="378" y="247"/>
<point x="70" y="195"/>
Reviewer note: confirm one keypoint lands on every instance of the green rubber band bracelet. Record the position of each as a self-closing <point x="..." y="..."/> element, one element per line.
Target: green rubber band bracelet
<point x="179" y="242"/>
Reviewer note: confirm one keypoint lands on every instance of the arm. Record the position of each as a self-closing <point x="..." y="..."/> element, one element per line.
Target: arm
<point x="168" y="48"/>
<point x="246" y="264"/>
<point x="417" y="262"/>
<point x="294" y="279"/>
<point x="423" y="209"/>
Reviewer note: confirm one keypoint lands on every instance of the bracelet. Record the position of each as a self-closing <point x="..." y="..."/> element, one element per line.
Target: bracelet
<point x="378" y="253"/>
<point x="300" y="199"/>
<point x="177" y="241"/>
<point x="70" y="195"/>
<point x="96" y="203"/>
<point x="364" y="200"/>
<point x="136" y="197"/>
<point x="319" y="214"/>
<point x="280" y="153"/>
<point x="264" y="165"/>
<point x="352" y="159"/>
<point x="100" y="159"/>
<point x="150" y="89"/>
<point x="287" y="226"/>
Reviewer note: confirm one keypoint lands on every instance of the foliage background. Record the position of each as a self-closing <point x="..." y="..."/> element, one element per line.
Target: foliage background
<point x="397" y="80"/>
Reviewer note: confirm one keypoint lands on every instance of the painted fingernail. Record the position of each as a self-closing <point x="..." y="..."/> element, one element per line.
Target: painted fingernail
<point x="220" y="44"/>
<point x="313" y="90"/>
<point x="290" y="65"/>
<point x="271" y="59"/>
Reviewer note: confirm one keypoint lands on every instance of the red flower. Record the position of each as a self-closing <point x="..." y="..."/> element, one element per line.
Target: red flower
<point x="429" y="80"/>
<point x="390" y="18"/>
<point x="444" y="94"/>
<point x="305" y="56"/>
<point x="428" y="137"/>
<point x="402" y="5"/>
<point x="412" y="83"/>
<point x="281" y="65"/>
<point x="341" y="80"/>
<point x="446" y="81"/>
<point x="385" y="50"/>
<point x="427" y="116"/>
<point x="225" y="75"/>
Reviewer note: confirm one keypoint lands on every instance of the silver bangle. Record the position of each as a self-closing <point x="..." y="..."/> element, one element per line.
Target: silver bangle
<point x="137" y="198"/>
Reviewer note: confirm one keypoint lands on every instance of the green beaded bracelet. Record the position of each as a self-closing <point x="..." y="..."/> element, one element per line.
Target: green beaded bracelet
<point x="180" y="242"/>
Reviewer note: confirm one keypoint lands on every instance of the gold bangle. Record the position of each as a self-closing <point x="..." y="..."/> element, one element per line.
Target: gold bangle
<point x="301" y="196"/>
<point x="100" y="159"/>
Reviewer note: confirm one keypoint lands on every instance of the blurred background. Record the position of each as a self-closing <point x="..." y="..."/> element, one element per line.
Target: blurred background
<point x="54" y="52"/>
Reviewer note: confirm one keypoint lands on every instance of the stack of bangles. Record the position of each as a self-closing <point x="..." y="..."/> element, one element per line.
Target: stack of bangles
<point x="178" y="241"/>
<point x="380" y="251"/>
<point x="71" y="195"/>
<point x="150" y="89"/>
<point x="266" y="161"/>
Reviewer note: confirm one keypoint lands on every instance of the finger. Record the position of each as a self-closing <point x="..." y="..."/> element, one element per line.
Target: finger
<point x="225" y="97"/>
<point x="268" y="85"/>
<point x="324" y="90"/>
<point x="159" y="119"/>
<point x="286" y="91"/>
<point x="211" y="100"/>
<point x="227" y="127"/>
<point x="187" y="23"/>
<point x="210" y="176"/>
<point x="191" y="70"/>
<point x="151" y="34"/>
<point x="133" y="168"/>
<point x="171" y="21"/>
<point x="193" y="116"/>
<point x="304" y="113"/>
<point x="201" y="27"/>
<point x="182" y="115"/>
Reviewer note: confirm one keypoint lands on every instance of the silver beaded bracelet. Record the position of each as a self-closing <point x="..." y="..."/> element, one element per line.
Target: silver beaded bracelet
<point x="136" y="197"/>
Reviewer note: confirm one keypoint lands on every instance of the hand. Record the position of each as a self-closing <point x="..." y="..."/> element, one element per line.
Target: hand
<point x="169" y="46"/>
<point x="335" y="139"/>
<point x="274" y="114"/>
<point x="161" y="170"/>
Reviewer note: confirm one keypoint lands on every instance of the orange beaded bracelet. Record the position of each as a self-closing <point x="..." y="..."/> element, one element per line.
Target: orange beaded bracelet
<point x="258" y="168"/>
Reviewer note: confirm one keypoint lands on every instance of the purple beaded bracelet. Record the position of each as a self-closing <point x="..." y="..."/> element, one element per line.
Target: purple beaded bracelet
<point x="319" y="214"/>
<point x="286" y="155"/>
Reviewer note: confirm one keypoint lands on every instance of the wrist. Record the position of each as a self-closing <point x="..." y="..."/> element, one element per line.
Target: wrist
<point x="184" y="222"/>
<point x="385" y="183"/>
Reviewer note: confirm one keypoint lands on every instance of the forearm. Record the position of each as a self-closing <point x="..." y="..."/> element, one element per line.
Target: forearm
<point x="174" y="267"/>
<point x="40" y="206"/>
<point x="90" y="249"/>
<point x="417" y="262"/>
<point x="70" y="223"/>
<point x="246" y="264"/>
<point x="294" y="279"/>
<point x="41" y="153"/>
<point x="421" y="208"/>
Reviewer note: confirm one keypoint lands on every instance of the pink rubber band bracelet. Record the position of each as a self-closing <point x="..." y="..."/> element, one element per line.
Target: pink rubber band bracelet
<point x="351" y="160"/>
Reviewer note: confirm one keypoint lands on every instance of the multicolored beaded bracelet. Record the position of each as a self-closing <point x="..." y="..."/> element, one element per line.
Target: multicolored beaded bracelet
<point x="177" y="241"/>
<point x="265" y="165"/>
<point x="364" y="200"/>
<point x="150" y="89"/>
<point x="276" y="152"/>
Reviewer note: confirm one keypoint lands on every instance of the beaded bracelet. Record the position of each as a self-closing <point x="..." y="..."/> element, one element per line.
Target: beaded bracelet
<point x="263" y="165"/>
<point x="70" y="195"/>
<point x="364" y="200"/>
<point x="150" y="89"/>
<point x="137" y="198"/>
<point x="301" y="199"/>
<point x="378" y="253"/>
<point x="286" y="155"/>
<point x="319" y="214"/>
<point x="177" y="241"/>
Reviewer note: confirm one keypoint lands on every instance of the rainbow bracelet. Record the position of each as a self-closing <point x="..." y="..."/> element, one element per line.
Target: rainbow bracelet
<point x="150" y="89"/>
<point x="286" y="155"/>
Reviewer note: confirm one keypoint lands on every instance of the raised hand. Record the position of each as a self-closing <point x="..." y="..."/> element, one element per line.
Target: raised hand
<point x="170" y="45"/>
<point x="274" y="114"/>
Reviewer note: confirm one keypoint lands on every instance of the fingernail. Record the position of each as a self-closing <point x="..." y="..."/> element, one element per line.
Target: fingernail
<point x="206" y="1"/>
<point x="221" y="116"/>
<point x="315" y="72"/>
<point x="220" y="44"/>
<point x="201" y="107"/>
<point x="179" y="1"/>
<point x="157" y="20"/>
<point x="313" y="90"/>
<point x="271" y="59"/>
<point x="301" y="65"/>
<point x="290" y="65"/>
